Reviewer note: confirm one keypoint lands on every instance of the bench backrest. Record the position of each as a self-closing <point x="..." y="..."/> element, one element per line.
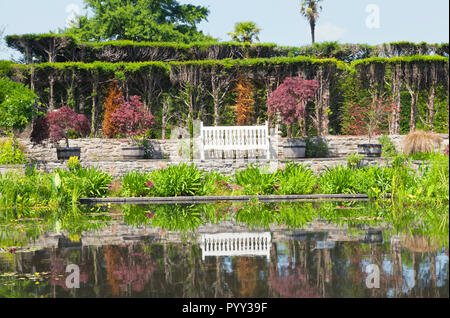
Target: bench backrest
<point x="235" y="137"/>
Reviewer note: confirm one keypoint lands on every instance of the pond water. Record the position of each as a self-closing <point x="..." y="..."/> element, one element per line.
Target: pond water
<point x="222" y="250"/>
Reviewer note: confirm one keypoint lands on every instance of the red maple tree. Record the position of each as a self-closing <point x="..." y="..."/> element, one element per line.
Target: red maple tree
<point x="132" y="117"/>
<point x="65" y="121"/>
<point x="291" y="97"/>
<point x="369" y="117"/>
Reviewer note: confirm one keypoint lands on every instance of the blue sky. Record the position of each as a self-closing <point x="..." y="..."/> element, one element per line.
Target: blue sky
<point x="341" y="20"/>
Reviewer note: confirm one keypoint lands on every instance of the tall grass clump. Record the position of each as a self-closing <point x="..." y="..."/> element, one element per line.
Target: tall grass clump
<point x="21" y="191"/>
<point x="84" y="182"/>
<point x="421" y="142"/>
<point x="136" y="184"/>
<point x="372" y="181"/>
<point x="296" y="179"/>
<point x="256" y="181"/>
<point x="181" y="180"/>
<point x="337" y="180"/>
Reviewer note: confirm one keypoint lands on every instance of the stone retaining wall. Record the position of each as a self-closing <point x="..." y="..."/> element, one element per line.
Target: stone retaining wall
<point x="120" y="168"/>
<point x="97" y="149"/>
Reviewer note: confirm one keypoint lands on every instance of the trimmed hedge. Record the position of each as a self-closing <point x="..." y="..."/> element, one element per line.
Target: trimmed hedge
<point x="58" y="48"/>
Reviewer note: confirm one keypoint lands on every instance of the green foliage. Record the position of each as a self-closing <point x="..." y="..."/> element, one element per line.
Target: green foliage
<point x="372" y="181"/>
<point x="134" y="184"/>
<point x="145" y="20"/>
<point x="8" y="155"/>
<point x="388" y="149"/>
<point x="73" y="163"/>
<point x="296" y="179"/>
<point x="256" y="181"/>
<point x="245" y="32"/>
<point x="336" y="180"/>
<point x="316" y="148"/>
<point x="16" y="105"/>
<point x="354" y="159"/>
<point x="85" y="182"/>
<point x="181" y="180"/>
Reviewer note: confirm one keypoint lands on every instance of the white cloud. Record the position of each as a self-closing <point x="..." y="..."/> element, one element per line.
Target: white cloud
<point x="329" y="32"/>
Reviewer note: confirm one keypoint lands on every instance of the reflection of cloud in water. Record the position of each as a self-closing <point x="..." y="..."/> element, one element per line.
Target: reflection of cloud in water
<point x="388" y="267"/>
<point x="441" y="269"/>
<point x="227" y="264"/>
<point x="408" y="276"/>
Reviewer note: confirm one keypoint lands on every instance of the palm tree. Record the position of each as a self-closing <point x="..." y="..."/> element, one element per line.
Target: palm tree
<point x="310" y="9"/>
<point x="245" y="32"/>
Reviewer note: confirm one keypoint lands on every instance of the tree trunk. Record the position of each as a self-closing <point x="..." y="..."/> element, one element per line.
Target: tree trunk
<point x="313" y="31"/>
<point x="216" y="111"/>
<point x="430" y="104"/>
<point x="51" y="106"/>
<point x="396" y="93"/>
<point x="414" y="100"/>
<point x="94" y="106"/>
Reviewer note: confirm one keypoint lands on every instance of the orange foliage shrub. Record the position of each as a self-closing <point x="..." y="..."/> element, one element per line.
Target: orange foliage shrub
<point x="245" y="103"/>
<point x="112" y="103"/>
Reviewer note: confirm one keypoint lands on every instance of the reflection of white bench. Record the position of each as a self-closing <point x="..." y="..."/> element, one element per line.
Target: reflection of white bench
<point x="236" y="244"/>
<point x="234" y="138"/>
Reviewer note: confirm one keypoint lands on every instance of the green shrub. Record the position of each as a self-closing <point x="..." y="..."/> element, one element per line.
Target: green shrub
<point x="316" y="148"/>
<point x="85" y="182"/>
<point x="337" y="180"/>
<point x="6" y="153"/>
<point x="181" y="180"/>
<point x="296" y="179"/>
<point x="388" y="149"/>
<point x="371" y="181"/>
<point x="73" y="163"/>
<point x="256" y="182"/>
<point x="135" y="184"/>
<point x="353" y="161"/>
<point x="17" y="190"/>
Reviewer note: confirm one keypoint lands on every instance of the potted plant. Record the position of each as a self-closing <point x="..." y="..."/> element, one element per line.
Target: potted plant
<point x="61" y="124"/>
<point x="289" y="101"/>
<point x="368" y="118"/>
<point x="133" y="120"/>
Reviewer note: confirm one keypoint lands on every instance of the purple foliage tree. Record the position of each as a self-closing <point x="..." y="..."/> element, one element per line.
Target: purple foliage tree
<point x="132" y="117"/>
<point x="64" y="121"/>
<point x="291" y="97"/>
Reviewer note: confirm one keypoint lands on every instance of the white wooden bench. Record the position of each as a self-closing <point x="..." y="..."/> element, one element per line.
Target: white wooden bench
<point x="235" y="138"/>
<point x="236" y="244"/>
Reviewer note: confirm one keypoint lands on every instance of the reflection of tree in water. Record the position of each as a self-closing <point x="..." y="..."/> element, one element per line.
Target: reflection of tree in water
<point x="59" y="262"/>
<point x="247" y="274"/>
<point x="293" y="281"/>
<point x="292" y="284"/>
<point x="127" y="271"/>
